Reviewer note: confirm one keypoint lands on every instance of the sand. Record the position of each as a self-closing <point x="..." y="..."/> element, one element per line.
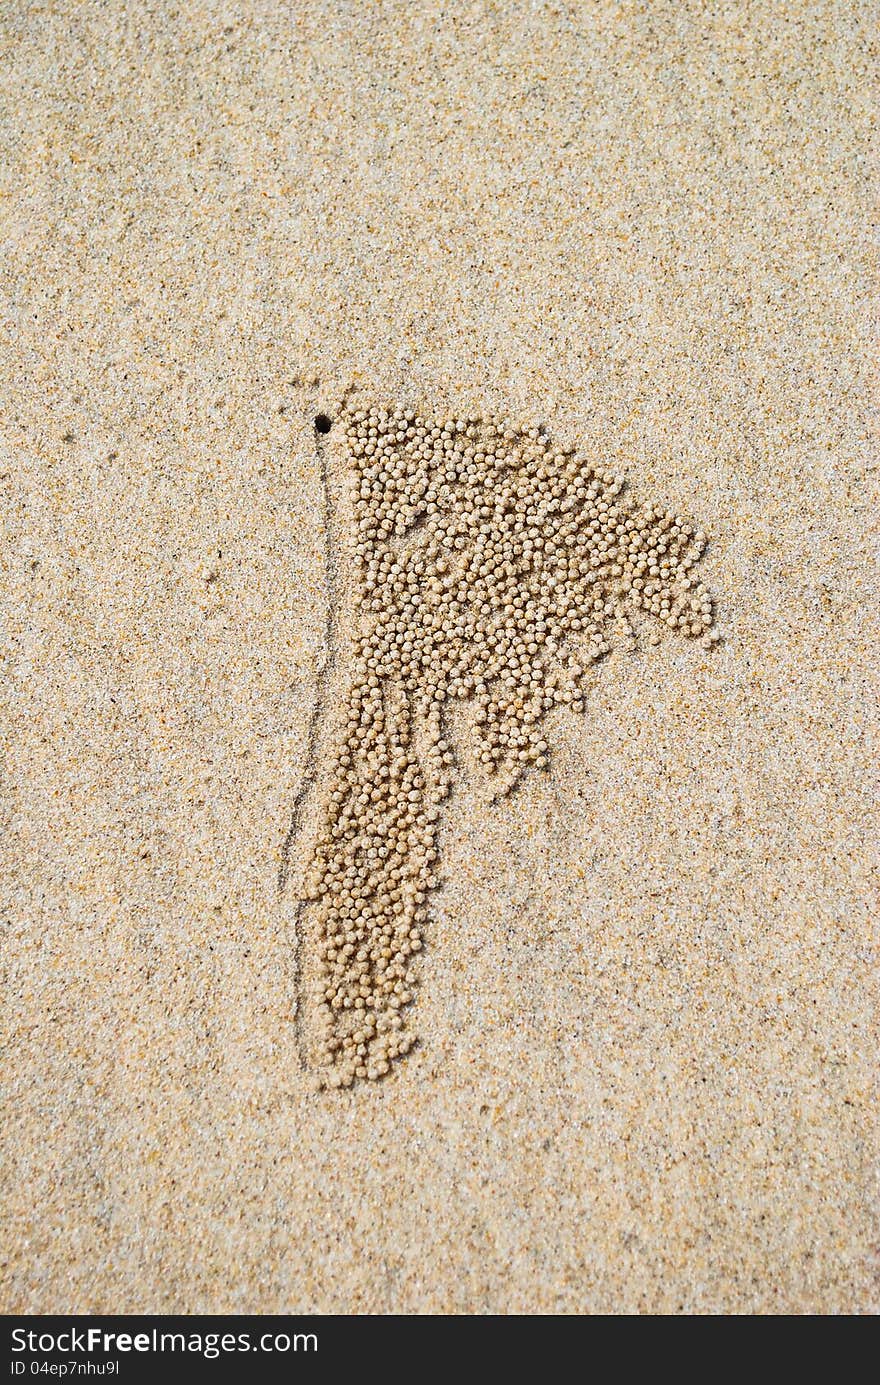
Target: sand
<point x="646" y="1077"/>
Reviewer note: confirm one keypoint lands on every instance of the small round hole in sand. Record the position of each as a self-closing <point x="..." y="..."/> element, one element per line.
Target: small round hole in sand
<point x="322" y="424"/>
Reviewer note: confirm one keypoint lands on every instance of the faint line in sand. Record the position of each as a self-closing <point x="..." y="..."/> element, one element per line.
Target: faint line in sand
<point x="323" y="678"/>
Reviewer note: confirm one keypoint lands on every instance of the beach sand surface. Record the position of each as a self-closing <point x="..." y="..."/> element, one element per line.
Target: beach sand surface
<point x="646" y="1075"/>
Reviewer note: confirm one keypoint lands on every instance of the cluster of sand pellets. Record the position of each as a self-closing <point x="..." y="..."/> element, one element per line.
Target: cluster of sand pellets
<point x="493" y="567"/>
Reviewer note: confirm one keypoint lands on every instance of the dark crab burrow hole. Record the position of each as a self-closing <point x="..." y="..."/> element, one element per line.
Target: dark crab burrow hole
<point x="322" y="424"/>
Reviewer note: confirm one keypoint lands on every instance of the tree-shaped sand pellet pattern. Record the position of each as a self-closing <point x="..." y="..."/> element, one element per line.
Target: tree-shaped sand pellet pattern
<point x="489" y="566"/>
